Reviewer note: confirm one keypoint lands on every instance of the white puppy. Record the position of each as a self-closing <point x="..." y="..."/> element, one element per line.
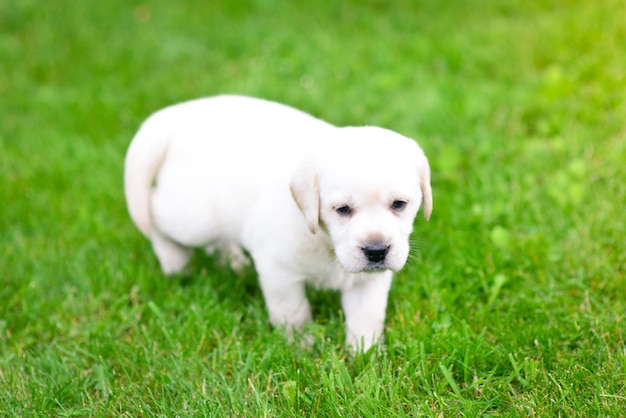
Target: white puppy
<point x="310" y="202"/>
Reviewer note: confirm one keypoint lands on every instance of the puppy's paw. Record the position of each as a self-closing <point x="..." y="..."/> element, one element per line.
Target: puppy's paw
<point x="230" y="255"/>
<point x="362" y="345"/>
<point x="236" y="258"/>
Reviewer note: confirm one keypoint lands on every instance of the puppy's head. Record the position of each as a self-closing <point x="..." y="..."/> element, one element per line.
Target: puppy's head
<point x="364" y="190"/>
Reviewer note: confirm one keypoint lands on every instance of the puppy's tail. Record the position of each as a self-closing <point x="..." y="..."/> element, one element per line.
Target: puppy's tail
<point x="145" y="155"/>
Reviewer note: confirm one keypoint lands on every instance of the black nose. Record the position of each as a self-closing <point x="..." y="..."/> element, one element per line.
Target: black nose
<point x="376" y="253"/>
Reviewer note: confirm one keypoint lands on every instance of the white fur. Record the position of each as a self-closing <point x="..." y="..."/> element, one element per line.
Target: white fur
<point x="236" y="171"/>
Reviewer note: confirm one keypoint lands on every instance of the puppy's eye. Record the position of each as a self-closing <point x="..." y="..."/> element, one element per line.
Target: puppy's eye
<point x="344" y="210"/>
<point x="398" y="205"/>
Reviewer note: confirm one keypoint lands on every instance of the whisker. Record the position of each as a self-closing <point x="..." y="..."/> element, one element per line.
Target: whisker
<point x="415" y="254"/>
<point x="335" y="260"/>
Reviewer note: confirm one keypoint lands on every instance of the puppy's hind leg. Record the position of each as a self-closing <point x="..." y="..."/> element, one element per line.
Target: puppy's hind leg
<point x="172" y="256"/>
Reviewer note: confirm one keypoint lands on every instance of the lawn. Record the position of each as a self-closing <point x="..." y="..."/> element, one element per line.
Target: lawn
<point x="514" y="300"/>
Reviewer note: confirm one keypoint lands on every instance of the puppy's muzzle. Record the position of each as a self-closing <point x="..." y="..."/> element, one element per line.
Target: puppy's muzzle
<point x="376" y="253"/>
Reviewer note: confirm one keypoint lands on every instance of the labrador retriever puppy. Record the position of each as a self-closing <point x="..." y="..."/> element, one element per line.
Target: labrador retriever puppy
<point x="309" y="201"/>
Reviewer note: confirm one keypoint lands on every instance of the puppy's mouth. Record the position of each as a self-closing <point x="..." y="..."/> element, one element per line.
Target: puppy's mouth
<point x="375" y="268"/>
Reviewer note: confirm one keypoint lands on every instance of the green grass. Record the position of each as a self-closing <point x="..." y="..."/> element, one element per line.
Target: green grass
<point x="513" y="304"/>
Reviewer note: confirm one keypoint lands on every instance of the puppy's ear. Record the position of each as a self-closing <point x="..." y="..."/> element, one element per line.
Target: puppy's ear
<point x="427" y="193"/>
<point x="305" y="191"/>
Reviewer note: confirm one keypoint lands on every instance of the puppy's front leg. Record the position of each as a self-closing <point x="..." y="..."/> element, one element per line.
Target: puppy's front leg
<point x="286" y="303"/>
<point x="364" y="307"/>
